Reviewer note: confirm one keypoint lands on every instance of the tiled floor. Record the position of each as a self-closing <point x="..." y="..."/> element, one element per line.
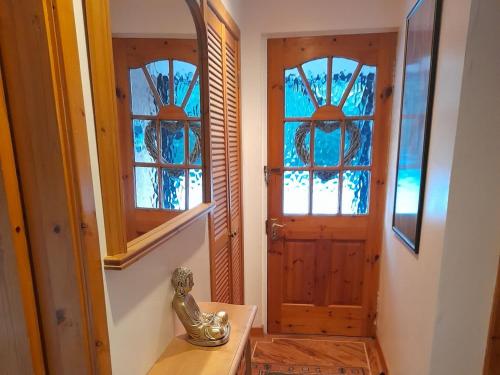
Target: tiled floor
<point x="322" y="355"/>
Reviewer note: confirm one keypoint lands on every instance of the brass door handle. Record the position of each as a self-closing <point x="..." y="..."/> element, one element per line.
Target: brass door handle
<point x="275" y="228"/>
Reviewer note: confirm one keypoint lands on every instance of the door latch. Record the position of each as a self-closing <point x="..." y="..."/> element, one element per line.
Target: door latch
<point x="269" y="171"/>
<point x="274" y="228"/>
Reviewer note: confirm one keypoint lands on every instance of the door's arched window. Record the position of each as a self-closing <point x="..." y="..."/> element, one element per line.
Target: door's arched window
<point x="329" y="106"/>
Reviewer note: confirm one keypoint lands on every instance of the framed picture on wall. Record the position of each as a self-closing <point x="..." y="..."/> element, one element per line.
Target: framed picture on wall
<point x="421" y="47"/>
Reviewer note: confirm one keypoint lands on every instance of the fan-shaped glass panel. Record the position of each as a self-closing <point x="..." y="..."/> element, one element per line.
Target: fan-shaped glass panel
<point x="361" y="98"/>
<point x="316" y="73"/>
<point x="183" y="76"/>
<point x="298" y="103"/>
<point x="342" y="71"/>
<point x="192" y="107"/>
<point x="142" y="98"/>
<point x="159" y="72"/>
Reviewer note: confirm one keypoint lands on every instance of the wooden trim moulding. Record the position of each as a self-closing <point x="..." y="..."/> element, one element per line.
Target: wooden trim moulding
<point x="224" y="16"/>
<point x="139" y="247"/>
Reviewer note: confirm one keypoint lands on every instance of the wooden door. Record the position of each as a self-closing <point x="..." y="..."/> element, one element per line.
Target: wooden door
<point x="329" y="101"/>
<point x="226" y="219"/>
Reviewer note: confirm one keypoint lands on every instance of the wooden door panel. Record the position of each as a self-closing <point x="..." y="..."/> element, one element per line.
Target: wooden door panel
<point x="322" y="265"/>
<point x="298" y="271"/>
<point x="330" y="320"/>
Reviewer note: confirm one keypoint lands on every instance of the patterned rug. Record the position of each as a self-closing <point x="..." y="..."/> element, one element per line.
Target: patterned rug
<point x="285" y="356"/>
<point x="276" y="369"/>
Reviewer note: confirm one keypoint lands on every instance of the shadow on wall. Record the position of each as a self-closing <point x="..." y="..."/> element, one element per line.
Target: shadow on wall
<point x="128" y="288"/>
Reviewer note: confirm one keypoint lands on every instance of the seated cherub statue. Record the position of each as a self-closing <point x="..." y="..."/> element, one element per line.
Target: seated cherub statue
<point x="204" y="329"/>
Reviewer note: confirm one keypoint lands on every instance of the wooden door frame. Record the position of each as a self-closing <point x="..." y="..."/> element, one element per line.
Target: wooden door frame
<point x="41" y="67"/>
<point x="384" y="41"/>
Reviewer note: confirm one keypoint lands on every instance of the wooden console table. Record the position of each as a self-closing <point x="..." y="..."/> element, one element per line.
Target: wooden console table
<point x="181" y="357"/>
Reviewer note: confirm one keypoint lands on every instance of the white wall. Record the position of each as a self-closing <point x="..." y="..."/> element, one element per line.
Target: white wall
<point x="472" y="238"/>
<point x="434" y="308"/>
<point x="259" y="20"/>
<point x="138" y="299"/>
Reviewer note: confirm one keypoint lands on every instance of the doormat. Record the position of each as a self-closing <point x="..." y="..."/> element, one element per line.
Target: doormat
<point x="273" y="369"/>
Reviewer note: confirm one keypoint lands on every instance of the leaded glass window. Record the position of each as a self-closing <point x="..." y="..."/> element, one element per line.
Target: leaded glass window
<point x="327" y="162"/>
<point x="166" y="128"/>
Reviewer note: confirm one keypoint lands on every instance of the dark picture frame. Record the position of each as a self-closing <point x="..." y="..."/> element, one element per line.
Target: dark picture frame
<point x="421" y="50"/>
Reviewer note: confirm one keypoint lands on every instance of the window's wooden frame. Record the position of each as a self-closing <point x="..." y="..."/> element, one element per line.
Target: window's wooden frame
<point x="120" y="252"/>
<point x="137" y="52"/>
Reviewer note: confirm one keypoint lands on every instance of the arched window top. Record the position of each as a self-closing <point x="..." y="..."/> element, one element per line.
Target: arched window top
<point x="165" y="83"/>
<point x="330" y="81"/>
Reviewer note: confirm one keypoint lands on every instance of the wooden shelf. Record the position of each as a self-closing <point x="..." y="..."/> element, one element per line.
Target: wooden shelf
<point x="181" y="357"/>
<point x="144" y="244"/>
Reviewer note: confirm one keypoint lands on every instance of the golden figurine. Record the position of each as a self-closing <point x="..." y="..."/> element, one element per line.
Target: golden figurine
<point x="203" y="329"/>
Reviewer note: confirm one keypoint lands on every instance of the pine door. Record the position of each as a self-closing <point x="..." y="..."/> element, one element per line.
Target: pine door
<point x="329" y="101"/>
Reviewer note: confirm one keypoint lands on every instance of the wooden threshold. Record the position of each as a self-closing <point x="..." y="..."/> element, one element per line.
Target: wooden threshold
<point x="143" y="245"/>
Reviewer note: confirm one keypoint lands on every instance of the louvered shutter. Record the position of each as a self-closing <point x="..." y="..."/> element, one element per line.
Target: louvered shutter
<point x="234" y="163"/>
<point x="219" y="220"/>
<point x="225" y="221"/>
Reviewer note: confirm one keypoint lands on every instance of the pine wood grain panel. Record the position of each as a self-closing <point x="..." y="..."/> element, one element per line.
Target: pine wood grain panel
<point x="346" y="273"/>
<point x="299" y="271"/>
<point x="43" y="74"/>
<point x="20" y="332"/>
<point x="338" y="320"/>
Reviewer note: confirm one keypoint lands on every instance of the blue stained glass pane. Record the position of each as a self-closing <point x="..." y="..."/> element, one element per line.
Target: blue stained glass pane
<point x="174" y="189"/>
<point x="342" y="71"/>
<point x="143" y="101"/>
<point x="361" y="98"/>
<point x="192" y="108"/>
<point x="296" y="192"/>
<point x="297" y="100"/>
<point x="146" y="187"/>
<point x="172" y="142"/>
<point x="327" y="136"/>
<point x="158" y="70"/>
<point x="195" y="187"/>
<point x="325" y="193"/>
<point x="145" y="140"/>
<point x="183" y="76"/>
<point x="195" y="143"/>
<point x="297" y="144"/>
<point x="316" y="74"/>
<point x="355" y="192"/>
<point x="358" y="143"/>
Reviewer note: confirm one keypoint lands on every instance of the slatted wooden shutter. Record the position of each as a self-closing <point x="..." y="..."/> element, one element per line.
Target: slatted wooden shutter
<point x="225" y="222"/>
<point x="234" y="163"/>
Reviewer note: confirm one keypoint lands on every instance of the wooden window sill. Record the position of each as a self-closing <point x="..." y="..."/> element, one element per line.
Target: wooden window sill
<point x="143" y="245"/>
